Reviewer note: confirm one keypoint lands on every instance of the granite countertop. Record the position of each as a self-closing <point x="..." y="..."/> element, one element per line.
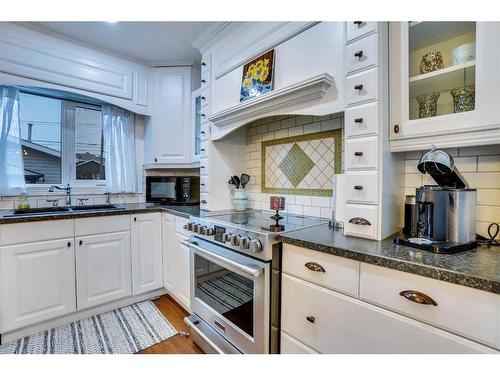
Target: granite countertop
<point x="125" y="209"/>
<point x="478" y="268"/>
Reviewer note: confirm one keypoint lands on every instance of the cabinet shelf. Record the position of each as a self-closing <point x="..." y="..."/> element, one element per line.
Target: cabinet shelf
<point x="424" y="34"/>
<point x="443" y="80"/>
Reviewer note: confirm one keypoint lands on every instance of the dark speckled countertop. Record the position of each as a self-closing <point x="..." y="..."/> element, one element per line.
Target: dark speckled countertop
<point x="479" y="268"/>
<point x="125" y="209"/>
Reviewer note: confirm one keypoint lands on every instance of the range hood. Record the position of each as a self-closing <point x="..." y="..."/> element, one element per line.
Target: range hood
<point x="287" y="100"/>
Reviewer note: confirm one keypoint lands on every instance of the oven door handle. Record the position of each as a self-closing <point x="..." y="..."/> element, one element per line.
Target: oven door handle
<point x="248" y="269"/>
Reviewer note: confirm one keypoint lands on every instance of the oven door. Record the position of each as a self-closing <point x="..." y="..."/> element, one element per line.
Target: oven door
<point x="230" y="292"/>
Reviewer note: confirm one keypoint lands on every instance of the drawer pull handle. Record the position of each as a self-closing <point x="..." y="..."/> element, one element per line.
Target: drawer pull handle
<point x="418" y="297"/>
<point x="202" y="150"/>
<point x="359" y="221"/>
<point x="310" y="319"/>
<point x="358" y="87"/>
<point x="219" y="325"/>
<point x="81" y="242"/>
<point x="202" y="132"/>
<point x="358" y="23"/>
<point x="358" y="153"/>
<point x="358" y="187"/>
<point x="358" y="120"/>
<point x="396" y="129"/>
<point x="69" y="244"/>
<point x="202" y="166"/>
<point x="358" y="54"/>
<point x="313" y="266"/>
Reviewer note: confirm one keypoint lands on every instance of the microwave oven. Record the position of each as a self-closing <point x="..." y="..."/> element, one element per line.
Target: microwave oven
<point x="173" y="190"/>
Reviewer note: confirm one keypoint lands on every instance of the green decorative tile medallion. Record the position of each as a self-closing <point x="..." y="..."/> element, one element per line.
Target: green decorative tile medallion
<point x="301" y="165"/>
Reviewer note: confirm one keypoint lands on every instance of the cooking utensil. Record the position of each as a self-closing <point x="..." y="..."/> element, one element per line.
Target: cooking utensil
<point x="245" y="179"/>
<point x="237" y="181"/>
<point x="231" y="181"/>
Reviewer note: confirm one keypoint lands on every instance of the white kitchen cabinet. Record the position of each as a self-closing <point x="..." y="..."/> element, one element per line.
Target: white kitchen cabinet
<point x="103" y="268"/>
<point x="412" y="129"/>
<point x="330" y="322"/>
<point x="146" y="249"/>
<point x="37" y="282"/>
<point x="169" y="132"/>
<point x="176" y="260"/>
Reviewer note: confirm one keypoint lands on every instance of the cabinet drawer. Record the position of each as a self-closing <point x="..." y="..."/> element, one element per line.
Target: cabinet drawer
<point x="361" y="187"/>
<point x="364" y="214"/>
<point x="100" y="225"/>
<point x="468" y="312"/>
<point x="13" y="234"/>
<point x="204" y="167"/>
<point x="204" y="198"/>
<point x="362" y="87"/>
<point x="361" y="120"/>
<point x="204" y="184"/>
<point x="204" y="149"/>
<point x="330" y="322"/>
<point x="289" y="345"/>
<point x="331" y="271"/>
<point x="355" y="29"/>
<point x="361" y="153"/>
<point x="362" y="54"/>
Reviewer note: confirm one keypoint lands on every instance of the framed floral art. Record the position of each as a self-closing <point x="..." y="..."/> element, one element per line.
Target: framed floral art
<point x="257" y="76"/>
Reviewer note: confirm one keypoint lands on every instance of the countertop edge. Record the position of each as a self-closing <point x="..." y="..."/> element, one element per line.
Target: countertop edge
<point x="400" y="265"/>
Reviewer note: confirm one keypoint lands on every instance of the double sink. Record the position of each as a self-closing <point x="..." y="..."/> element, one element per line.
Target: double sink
<point x="62" y="210"/>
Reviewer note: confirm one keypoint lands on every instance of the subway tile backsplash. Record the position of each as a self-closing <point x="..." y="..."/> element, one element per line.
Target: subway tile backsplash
<point x="480" y="166"/>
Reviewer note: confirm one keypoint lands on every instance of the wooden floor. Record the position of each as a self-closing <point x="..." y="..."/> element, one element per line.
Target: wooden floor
<point x="177" y="344"/>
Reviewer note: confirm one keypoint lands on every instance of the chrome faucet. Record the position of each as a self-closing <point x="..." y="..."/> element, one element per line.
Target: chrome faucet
<point x="68" y="192"/>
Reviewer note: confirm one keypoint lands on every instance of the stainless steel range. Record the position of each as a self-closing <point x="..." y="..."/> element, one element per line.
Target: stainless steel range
<point x="235" y="280"/>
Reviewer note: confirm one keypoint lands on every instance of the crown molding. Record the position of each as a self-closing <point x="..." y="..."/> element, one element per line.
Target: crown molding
<point x="211" y="36"/>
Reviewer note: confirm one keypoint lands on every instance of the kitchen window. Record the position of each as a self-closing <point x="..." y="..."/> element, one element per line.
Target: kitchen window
<point x="62" y="141"/>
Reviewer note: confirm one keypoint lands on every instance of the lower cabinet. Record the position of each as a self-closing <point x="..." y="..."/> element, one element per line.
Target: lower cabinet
<point x="147" y="270"/>
<point x="176" y="260"/>
<point x="37" y="282"/>
<point x="330" y="322"/>
<point x="103" y="268"/>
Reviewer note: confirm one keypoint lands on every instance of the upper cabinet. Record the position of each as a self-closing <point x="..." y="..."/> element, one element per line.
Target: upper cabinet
<point x="169" y="133"/>
<point x="444" y="78"/>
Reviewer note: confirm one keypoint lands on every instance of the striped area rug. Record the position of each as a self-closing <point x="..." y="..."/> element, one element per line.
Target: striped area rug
<point x="122" y="331"/>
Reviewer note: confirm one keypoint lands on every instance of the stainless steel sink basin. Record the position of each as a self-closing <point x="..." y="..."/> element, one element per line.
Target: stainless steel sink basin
<point x="38" y="211"/>
<point x="96" y="207"/>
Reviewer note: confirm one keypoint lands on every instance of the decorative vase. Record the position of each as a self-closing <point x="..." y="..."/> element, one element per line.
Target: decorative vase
<point x="431" y="61"/>
<point x="464" y="99"/>
<point x="240" y="199"/>
<point x="427" y="104"/>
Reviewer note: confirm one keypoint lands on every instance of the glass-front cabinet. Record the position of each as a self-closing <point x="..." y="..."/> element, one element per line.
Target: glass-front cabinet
<point x="442" y="78"/>
<point x="196" y="124"/>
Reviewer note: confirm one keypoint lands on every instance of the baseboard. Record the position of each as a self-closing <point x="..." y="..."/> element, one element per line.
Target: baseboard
<point x="78" y="315"/>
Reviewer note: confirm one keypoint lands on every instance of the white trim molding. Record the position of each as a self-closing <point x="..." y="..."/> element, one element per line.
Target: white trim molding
<point x="211" y="36"/>
<point x="286" y="100"/>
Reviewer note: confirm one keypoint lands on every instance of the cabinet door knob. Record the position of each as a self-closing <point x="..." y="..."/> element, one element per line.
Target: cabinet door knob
<point x="202" y="132"/>
<point x="315" y="267"/>
<point x="396" y="128"/>
<point x="203" y="81"/>
<point x="358" y="23"/>
<point x="358" y="187"/>
<point x="359" y="221"/>
<point x="358" y="120"/>
<point x="311" y="319"/>
<point x="358" y="54"/>
<point x="203" y="98"/>
<point x="202" y="115"/>
<point x="202" y="150"/>
<point x="203" y="63"/>
<point x="203" y="201"/>
<point x="358" y="153"/>
<point x="156" y="160"/>
<point x="135" y="219"/>
<point x="80" y="243"/>
<point x="418" y="297"/>
<point x="69" y="244"/>
<point x="358" y="87"/>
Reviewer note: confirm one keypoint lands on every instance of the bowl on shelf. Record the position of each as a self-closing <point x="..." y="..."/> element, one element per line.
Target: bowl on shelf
<point x="464" y="99"/>
<point x="464" y="53"/>
<point x="427" y="104"/>
<point x="431" y="62"/>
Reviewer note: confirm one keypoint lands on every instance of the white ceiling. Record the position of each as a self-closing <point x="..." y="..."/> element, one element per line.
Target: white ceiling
<point x="151" y="42"/>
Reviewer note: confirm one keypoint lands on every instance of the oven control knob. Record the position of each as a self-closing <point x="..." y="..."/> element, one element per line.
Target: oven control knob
<point x="226" y="237"/>
<point x="245" y="243"/>
<point x="255" y="246"/>
<point x="235" y="240"/>
<point x="196" y="228"/>
<point x="189" y="227"/>
<point x="210" y="232"/>
<point x="203" y="230"/>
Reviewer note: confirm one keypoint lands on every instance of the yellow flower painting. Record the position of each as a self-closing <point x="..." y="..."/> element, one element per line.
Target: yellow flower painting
<point x="257" y="76"/>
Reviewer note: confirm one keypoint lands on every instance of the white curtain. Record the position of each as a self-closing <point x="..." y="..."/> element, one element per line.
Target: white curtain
<point x="119" y="146"/>
<point x="11" y="152"/>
